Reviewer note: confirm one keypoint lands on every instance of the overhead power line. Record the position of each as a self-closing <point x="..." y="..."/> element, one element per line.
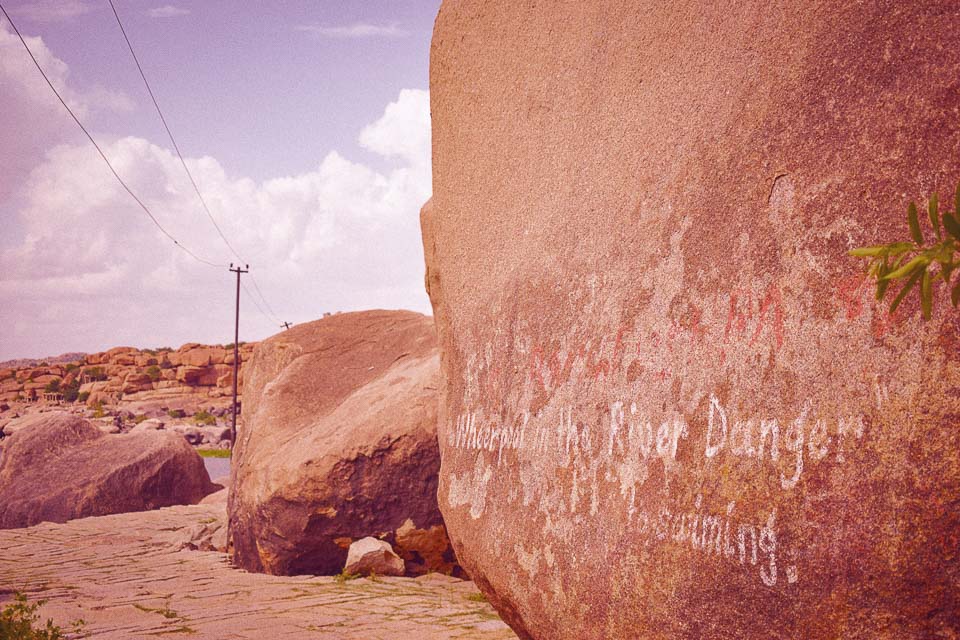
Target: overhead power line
<point x="270" y="316"/>
<point x="176" y="147"/>
<point x="267" y="304"/>
<point x="257" y="304"/>
<point x="100" y="151"/>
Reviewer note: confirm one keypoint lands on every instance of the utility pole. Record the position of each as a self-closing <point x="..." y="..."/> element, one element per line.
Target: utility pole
<point x="287" y="325"/>
<point x="236" y="355"/>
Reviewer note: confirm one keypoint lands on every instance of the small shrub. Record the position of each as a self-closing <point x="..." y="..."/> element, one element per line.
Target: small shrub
<point x="20" y="621"/>
<point x="137" y="419"/>
<point x="914" y="261"/>
<point x="477" y="597"/>
<point x="345" y="576"/>
<point x="53" y="386"/>
<point x="204" y="417"/>
<point x="71" y="390"/>
<point x="153" y="372"/>
<point x="83" y="396"/>
<point x="176" y="413"/>
<point x="71" y="367"/>
<point x="98" y="411"/>
<point x="96" y="374"/>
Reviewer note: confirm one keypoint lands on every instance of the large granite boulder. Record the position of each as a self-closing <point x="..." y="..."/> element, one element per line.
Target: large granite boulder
<point x="339" y="442"/>
<point x="60" y="467"/>
<point x="670" y="407"/>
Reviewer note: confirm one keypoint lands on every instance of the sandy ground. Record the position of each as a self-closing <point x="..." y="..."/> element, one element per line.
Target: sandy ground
<point x="124" y="576"/>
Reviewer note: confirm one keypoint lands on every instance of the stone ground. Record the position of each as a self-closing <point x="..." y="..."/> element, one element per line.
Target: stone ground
<point x="123" y="575"/>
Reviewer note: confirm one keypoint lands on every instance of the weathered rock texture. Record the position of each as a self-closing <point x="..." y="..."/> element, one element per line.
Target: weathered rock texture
<point x="339" y="443"/>
<point x="670" y="407"/>
<point x="63" y="467"/>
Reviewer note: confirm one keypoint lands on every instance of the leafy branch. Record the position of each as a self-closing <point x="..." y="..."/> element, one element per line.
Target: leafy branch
<point x="20" y="621"/>
<point x="916" y="262"/>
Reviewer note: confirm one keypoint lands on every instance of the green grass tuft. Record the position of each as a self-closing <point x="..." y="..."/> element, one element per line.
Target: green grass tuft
<point x="345" y="576"/>
<point x="214" y="453"/>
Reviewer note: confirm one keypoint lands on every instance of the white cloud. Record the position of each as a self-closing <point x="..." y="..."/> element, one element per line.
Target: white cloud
<point x="404" y="129"/>
<point x="341" y="236"/>
<point x="167" y="11"/>
<point x="356" y="30"/>
<point x="21" y="76"/>
<point x="26" y="99"/>
<point x="51" y="10"/>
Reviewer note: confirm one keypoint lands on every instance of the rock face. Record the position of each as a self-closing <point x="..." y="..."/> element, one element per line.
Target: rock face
<point x="339" y="443"/>
<point x="371" y="556"/>
<point x="62" y="467"/>
<point x="193" y="370"/>
<point x="669" y="405"/>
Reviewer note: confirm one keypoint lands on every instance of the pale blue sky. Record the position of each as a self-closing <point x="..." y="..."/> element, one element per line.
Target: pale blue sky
<point x="274" y="97"/>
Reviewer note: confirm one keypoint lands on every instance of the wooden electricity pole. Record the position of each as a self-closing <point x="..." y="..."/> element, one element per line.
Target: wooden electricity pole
<point x="236" y="354"/>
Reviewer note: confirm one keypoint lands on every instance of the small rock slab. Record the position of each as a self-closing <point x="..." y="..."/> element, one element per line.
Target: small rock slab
<point x="371" y="556"/>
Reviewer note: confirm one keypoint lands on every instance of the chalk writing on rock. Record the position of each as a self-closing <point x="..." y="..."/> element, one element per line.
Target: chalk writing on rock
<point x="623" y="437"/>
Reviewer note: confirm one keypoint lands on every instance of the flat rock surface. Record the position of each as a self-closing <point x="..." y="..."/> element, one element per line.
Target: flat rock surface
<point x="122" y="576"/>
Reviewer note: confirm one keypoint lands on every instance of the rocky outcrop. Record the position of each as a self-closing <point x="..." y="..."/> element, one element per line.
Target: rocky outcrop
<point x="339" y="443"/>
<point x="670" y="406"/>
<point x="62" y="467"/>
<point x="125" y="373"/>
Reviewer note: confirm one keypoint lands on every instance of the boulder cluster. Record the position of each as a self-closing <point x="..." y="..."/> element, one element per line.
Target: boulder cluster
<point x="337" y="451"/>
<point x="126" y="373"/>
<point x="665" y="400"/>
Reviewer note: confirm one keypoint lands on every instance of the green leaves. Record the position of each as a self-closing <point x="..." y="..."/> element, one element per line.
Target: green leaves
<point x="914" y="223"/>
<point x="951" y="225"/>
<point x="894" y="249"/>
<point x="911" y="283"/>
<point x="920" y="262"/>
<point x="917" y="262"/>
<point x="932" y="209"/>
<point x="956" y="205"/>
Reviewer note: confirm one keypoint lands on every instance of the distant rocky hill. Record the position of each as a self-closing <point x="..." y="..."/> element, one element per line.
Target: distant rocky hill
<point x="22" y="363"/>
<point x="125" y="374"/>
